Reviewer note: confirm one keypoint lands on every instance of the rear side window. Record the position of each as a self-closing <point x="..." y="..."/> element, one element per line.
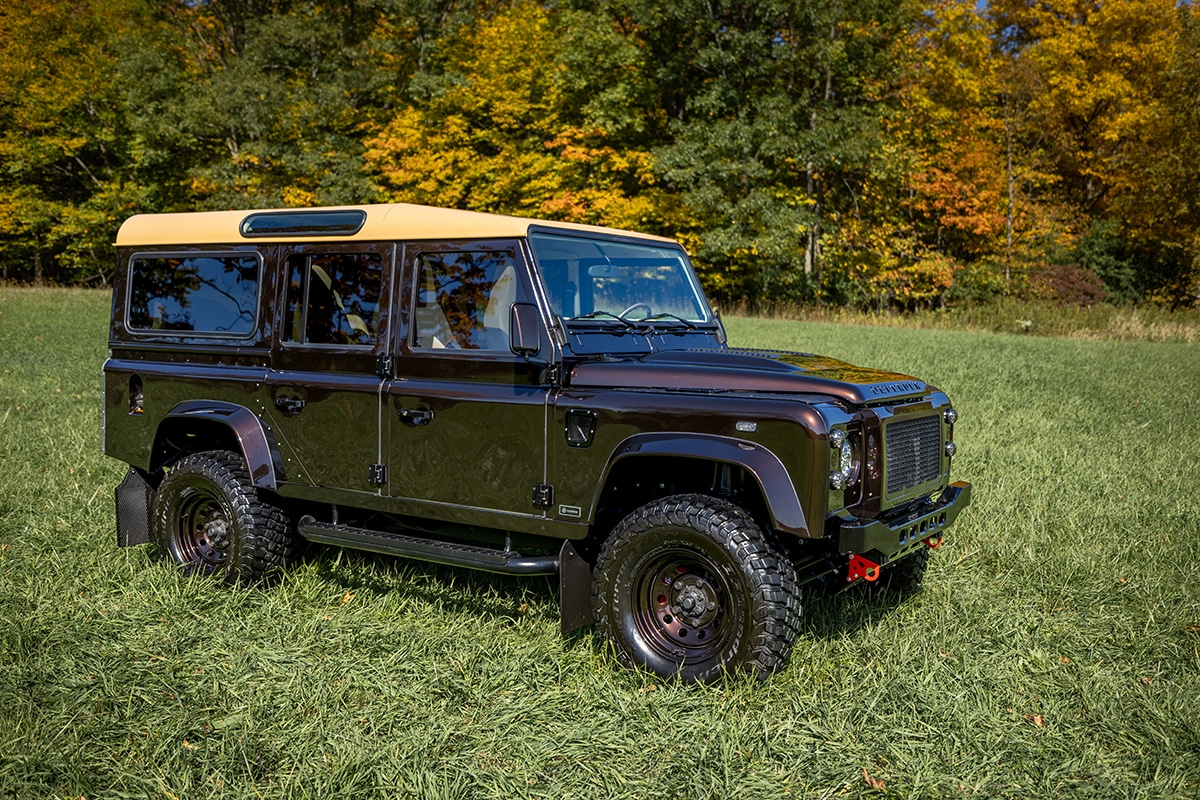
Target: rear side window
<point x="333" y="298"/>
<point x="204" y="294"/>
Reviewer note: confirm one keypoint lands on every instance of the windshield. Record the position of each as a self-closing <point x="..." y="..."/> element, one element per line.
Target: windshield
<point x="594" y="279"/>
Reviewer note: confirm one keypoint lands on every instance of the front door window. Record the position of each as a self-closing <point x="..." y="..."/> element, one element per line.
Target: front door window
<point x="464" y="299"/>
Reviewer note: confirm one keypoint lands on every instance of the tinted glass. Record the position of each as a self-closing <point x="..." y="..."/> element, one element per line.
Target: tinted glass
<point x="201" y="294"/>
<point x="596" y="280"/>
<point x="302" y="223"/>
<point x="464" y="300"/>
<point x="333" y="298"/>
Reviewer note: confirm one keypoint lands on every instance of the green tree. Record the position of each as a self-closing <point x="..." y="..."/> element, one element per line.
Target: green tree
<point x="771" y="119"/>
<point x="1114" y="86"/>
<point x="257" y="102"/>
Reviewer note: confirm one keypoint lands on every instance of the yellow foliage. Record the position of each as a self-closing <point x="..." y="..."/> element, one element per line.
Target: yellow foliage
<point x="499" y="137"/>
<point x="295" y="197"/>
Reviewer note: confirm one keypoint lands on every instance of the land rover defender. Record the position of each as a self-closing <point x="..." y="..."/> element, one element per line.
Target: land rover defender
<point x="511" y="395"/>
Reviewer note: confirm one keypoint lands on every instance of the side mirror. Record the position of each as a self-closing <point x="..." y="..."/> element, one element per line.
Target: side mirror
<point x="525" y="330"/>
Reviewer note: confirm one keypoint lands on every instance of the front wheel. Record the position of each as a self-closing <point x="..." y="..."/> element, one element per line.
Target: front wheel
<point x="690" y="586"/>
<point x="209" y="518"/>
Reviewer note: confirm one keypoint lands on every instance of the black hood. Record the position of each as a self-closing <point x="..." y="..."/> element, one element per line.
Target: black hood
<point x="724" y="369"/>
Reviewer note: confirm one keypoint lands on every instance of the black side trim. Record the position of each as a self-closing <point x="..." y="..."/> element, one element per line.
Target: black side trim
<point x="439" y="552"/>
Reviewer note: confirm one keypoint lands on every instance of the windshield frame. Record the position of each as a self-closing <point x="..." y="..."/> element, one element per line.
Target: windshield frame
<point x="604" y="320"/>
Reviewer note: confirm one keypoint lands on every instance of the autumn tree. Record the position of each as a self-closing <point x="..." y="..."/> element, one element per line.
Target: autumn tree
<point x="506" y="127"/>
<point x="1109" y="77"/>
<point x="64" y="145"/>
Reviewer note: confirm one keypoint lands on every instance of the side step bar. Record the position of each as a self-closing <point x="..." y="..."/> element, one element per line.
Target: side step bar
<point x="438" y="552"/>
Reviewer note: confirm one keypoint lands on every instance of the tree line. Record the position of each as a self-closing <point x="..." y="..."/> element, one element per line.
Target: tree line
<point x="877" y="153"/>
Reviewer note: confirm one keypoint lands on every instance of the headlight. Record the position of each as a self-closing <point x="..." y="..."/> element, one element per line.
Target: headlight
<point x="845" y="471"/>
<point x="950" y="415"/>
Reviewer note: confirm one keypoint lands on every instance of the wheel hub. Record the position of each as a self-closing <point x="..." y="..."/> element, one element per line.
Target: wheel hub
<point x="695" y="600"/>
<point x="684" y="605"/>
<point x="212" y="538"/>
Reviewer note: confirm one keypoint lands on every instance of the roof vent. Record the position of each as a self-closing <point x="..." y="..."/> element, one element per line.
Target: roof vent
<point x="304" y="223"/>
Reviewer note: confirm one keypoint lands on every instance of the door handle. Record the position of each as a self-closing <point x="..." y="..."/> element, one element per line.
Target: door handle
<point x="417" y="416"/>
<point x="289" y="405"/>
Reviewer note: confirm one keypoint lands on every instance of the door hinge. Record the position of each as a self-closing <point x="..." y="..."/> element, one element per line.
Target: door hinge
<point x="385" y="366"/>
<point x="377" y="474"/>
<point x="543" y="495"/>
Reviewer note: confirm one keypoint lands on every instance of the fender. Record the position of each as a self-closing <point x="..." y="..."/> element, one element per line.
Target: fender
<point x="255" y="439"/>
<point x="783" y="504"/>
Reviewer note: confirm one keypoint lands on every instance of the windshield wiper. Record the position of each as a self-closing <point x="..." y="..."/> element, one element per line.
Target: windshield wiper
<point x="691" y="326"/>
<point x="598" y="313"/>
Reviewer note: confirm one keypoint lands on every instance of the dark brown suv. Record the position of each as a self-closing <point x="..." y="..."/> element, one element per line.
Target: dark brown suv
<point x="515" y="396"/>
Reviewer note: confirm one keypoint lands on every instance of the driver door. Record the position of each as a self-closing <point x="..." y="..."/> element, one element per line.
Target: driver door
<point x="467" y="416"/>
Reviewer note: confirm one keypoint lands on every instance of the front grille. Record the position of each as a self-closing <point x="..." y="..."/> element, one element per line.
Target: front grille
<point x="913" y="452"/>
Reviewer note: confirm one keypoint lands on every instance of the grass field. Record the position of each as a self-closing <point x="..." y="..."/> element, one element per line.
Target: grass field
<point x="1054" y="651"/>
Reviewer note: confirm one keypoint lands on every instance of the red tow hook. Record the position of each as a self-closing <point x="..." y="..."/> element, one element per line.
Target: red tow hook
<point x="934" y="542"/>
<point x="863" y="568"/>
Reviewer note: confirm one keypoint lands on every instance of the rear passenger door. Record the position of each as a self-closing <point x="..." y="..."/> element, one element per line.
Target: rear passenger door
<point x="323" y="391"/>
<point x="467" y="416"/>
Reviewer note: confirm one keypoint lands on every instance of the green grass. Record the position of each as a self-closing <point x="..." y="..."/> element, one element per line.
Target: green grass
<point x="1025" y="317"/>
<point x="1054" y="651"/>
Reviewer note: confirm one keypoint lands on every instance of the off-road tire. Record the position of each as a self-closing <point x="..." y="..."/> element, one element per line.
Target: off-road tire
<point x="903" y="577"/>
<point x="210" y="519"/>
<point x="699" y="556"/>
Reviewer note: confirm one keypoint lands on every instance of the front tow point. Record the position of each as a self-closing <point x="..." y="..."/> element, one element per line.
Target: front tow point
<point x="863" y="568"/>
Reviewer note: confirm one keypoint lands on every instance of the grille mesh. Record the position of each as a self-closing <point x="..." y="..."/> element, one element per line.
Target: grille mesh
<point x="913" y="452"/>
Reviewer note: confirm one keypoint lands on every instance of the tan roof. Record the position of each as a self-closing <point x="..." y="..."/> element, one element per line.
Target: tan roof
<point x="391" y="222"/>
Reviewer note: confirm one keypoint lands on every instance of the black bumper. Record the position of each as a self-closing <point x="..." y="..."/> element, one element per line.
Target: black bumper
<point x="891" y="535"/>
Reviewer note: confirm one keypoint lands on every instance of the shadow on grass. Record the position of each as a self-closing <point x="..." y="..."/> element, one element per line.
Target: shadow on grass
<point x="455" y="589"/>
<point x="827" y="613"/>
<point x="832" y="614"/>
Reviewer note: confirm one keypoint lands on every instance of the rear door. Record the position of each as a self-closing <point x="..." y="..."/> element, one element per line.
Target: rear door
<point x="324" y="389"/>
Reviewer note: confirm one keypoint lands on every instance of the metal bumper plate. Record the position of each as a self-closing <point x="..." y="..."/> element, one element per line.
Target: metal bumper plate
<point x="893" y="535"/>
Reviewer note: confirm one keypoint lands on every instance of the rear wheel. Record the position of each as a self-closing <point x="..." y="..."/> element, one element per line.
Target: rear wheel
<point x="690" y="586"/>
<point x="210" y="519"/>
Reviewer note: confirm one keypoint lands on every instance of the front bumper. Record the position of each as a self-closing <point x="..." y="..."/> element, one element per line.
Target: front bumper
<point x="890" y="536"/>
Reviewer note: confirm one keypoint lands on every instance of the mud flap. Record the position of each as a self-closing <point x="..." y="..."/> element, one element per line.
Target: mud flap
<point x="574" y="589"/>
<point x="134" y="497"/>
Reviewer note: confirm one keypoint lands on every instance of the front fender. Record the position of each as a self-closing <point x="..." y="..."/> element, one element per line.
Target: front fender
<point x="783" y="504"/>
<point x="254" y="437"/>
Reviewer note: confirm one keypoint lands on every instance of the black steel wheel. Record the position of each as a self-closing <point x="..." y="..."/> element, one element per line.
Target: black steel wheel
<point x="210" y="519"/>
<point x="690" y="586"/>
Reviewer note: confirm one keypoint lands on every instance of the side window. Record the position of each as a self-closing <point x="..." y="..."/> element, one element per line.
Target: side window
<point x="464" y="299"/>
<point x="207" y="294"/>
<point x="333" y="298"/>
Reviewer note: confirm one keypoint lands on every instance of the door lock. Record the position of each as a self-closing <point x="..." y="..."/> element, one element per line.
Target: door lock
<point x="289" y="405"/>
<point x="417" y="416"/>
